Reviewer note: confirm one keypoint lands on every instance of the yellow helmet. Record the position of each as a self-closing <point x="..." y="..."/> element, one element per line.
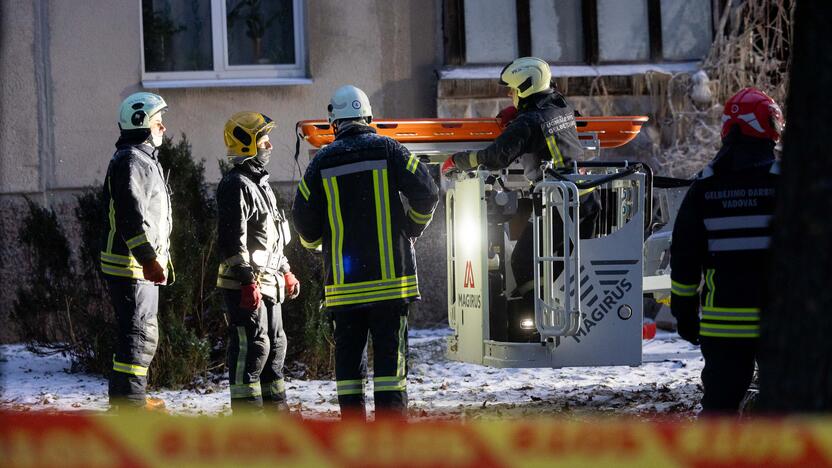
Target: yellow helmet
<point x="528" y="75"/>
<point x="243" y="130"/>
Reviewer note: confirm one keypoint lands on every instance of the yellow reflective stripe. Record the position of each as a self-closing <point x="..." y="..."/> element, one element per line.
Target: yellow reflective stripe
<point x="227" y="282"/>
<point x="350" y="387"/>
<point x="472" y="159"/>
<point x="275" y="387"/>
<point x="383" y="227"/>
<point x="730" y="331"/>
<point x="112" y="216"/>
<point x="365" y="286"/>
<point x="304" y="190"/>
<point x="388" y="228"/>
<point x="709" y="282"/>
<point x="412" y="164"/>
<point x="747" y="314"/>
<point x="134" y="242"/>
<point x="419" y="218"/>
<point x="135" y="273"/>
<point x="336" y="226"/>
<point x="126" y="368"/>
<point x="389" y="384"/>
<point x="363" y="298"/>
<point x="245" y="390"/>
<point x="242" y="352"/>
<point x="401" y="364"/>
<point x="310" y="245"/>
<point x="121" y="260"/>
<point x="557" y="157"/>
<point x="681" y="289"/>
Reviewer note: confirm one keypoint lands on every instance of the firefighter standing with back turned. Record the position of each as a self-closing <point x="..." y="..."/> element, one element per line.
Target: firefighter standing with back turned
<point x="543" y="130"/>
<point x="722" y="233"/>
<point x="349" y="203"/>
<point x="135" y="251"/>
<point x="254" y="272"/>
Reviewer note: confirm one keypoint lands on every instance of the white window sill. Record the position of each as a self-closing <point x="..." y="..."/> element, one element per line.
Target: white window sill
<point x="474" y="72"/>
<point x="225" y="83"/>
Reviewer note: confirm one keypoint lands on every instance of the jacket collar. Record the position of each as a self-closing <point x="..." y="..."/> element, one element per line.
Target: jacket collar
<point x="253" y="171"/>
<point x="352" y="129"/>
<point x="740" y="153"/>
<point x="538" y="100"/>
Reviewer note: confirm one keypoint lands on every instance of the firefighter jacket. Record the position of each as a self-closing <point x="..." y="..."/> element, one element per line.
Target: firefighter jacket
<point x="722" y="233"/>
<point x="348" y="202"/>
<point x="544" y="130"/>
<point x="252" y="232"/>
<point x="138" y="213"/>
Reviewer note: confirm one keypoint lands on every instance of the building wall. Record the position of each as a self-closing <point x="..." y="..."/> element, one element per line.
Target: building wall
<point x="67" y="64"/>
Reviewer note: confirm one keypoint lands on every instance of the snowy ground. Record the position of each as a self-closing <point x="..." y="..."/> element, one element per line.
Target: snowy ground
<point x="437" y="388"/>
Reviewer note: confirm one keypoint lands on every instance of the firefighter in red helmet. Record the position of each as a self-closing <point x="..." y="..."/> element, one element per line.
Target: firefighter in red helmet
<point x="720" y="246"/>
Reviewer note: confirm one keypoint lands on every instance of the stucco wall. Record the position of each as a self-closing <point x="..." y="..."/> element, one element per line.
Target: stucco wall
<point x="94" y="61"/>
<point x="67" y="64"/>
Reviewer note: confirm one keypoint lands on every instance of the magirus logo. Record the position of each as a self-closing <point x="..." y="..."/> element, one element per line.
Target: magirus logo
<point x="600" y="297"/>
<point x="468" y="282"/>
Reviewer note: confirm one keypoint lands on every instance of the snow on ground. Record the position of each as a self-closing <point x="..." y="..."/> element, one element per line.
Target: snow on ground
<point x="666" y="384"/>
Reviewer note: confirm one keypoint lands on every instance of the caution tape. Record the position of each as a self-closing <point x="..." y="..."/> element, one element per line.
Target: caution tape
<point x="42" y="439"/>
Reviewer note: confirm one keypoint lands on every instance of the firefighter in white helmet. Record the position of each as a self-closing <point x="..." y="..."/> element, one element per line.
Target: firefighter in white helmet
<point x="543" y="129"/>
<point x="135" y="252"/>
<point x="349" y="203"/>
<point x="254" y="272"/>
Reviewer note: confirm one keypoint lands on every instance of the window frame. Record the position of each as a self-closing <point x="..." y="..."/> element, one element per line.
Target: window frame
<point x="225" y="75"/>
<point x="453" y="21"/>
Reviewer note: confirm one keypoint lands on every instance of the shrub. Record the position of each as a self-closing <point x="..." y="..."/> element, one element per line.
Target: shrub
<point x="63" y="305"/>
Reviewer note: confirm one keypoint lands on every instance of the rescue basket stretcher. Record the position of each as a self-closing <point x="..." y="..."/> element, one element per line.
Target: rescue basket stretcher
<point x="606" y="131"/>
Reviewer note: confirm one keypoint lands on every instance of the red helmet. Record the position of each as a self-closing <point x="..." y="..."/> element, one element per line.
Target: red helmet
<point x="757" y="115"/>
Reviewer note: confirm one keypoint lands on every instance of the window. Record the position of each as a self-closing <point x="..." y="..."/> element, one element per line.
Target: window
<point x="192" y="43"/>
<point x="492" y="32"/>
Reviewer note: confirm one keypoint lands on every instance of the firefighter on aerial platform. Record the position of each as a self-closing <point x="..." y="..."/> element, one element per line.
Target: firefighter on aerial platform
<point x="348" y="202"/>
<point x="254" y="272"/>
<point x="135" y="253"/>
<point x="543" y="130"/>
<point x="722" y="233"/>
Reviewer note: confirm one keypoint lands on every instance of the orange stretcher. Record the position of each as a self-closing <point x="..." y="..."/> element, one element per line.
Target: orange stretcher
<point x="610" y="132"/>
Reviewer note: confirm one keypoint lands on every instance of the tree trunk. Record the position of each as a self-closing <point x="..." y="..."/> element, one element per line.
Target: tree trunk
<point x="796" y="342"/>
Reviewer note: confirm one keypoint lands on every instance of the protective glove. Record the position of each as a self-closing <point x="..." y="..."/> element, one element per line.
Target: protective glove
<point x="505" y="116"/>
<point x="448" y="167"/>
<point x="153" y="271"/>
<point x="250" y="296"/>
<point x="688" y="329"/>
<point x="292" y="285"/>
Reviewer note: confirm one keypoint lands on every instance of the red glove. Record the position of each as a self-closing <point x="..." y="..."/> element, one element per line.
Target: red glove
<point x="449" y="167"/>
<point x="154" y="272"/>
<point x="250" y="296"/>
<point x="292" y="285"/>
<point x="506" y="115"/>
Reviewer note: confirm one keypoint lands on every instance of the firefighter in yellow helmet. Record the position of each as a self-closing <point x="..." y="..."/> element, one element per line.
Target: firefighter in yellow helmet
<point x="254" y="272"/>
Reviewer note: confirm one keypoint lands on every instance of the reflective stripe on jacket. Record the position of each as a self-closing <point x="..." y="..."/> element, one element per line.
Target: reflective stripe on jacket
<point x="138" y="213"/>
<point x="349" y="203"/>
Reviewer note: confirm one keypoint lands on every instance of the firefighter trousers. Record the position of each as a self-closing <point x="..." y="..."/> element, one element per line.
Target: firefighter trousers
<point x="386" y="323"/>
<point x="729" y="368"/>
<point x="137" y="333"/>
<point x="256" y="353"/>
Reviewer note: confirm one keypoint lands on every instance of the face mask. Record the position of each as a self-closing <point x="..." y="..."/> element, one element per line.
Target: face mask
<point x="263" y="155"/>
<point x="157" y="140"/>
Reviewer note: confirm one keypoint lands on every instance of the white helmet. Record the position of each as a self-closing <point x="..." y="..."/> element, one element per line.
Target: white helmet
<point x="349" y="102"/>
<point x="528" y="75"/>
<point x="137" y="110"/>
